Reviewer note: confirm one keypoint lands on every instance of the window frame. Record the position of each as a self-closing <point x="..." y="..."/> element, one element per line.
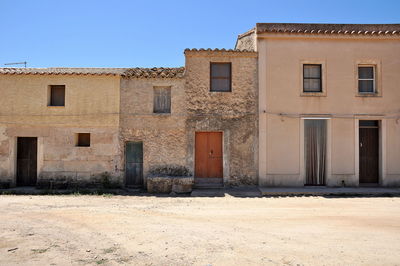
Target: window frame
<point x="50" y="94"/>
<point x="377" y="63"/>
<point x="374" y="91"/>
<point x="320" y="78"/>
<point x="230" y="76"/>
<point x="324" y="86"/>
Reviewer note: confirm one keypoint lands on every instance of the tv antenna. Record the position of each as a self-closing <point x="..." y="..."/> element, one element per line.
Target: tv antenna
<point x="17" y="63"/>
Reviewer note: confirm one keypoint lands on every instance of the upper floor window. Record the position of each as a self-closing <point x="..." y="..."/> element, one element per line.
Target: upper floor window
<point x="366" y="79"/>
<point x="312" y="78"/>
<point x="220" y="77"/>
<point x="57" y="95"/>
<point x="162" y="100"/>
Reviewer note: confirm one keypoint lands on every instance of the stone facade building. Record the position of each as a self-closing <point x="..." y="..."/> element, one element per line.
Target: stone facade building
<point x="159" y="135"/>
<point x="166" y="138"/>
<point x="291" y="105"/>
<point x="233" y="113"/>
<point x="136" y="123"/>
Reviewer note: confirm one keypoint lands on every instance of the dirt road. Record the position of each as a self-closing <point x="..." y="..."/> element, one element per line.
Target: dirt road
<point x="111" y="230"/>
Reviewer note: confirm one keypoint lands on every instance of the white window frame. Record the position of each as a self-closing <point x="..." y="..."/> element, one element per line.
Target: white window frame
<point x="373" y="79"/>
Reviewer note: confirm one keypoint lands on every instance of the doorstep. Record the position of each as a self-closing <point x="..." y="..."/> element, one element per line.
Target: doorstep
<point x="329" y="191"/>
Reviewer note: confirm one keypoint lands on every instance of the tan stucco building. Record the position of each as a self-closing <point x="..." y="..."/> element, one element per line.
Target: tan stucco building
<point x="339" y="81"/>
<point x="291" y="105"/>
<point x="46" y="134"/>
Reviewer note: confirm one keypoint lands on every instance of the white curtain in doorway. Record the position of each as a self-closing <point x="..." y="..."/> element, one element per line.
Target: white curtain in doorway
<point x="315" y="151"/>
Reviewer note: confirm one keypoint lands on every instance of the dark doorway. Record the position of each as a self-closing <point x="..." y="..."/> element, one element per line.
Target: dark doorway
<point x="134" y="164"/>
<point x="208" y="156"/>
<point x="315" y="151"/>
<point x="369" y="151"/>
<point x="26" y="161"/>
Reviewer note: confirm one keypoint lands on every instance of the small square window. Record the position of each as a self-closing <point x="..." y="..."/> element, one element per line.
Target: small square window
<point x="57" y="95"/>
<point x="220" y="77"/>
<point x="83" y="139"/>
<point x="312" y="81"/>
<point x="366" y="79"/>
<point x="162" y="100"/>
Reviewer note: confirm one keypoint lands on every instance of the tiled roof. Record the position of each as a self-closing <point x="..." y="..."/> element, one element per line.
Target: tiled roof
<point x="217" y="50"/>
<point x="159" y="72"/>
<point x="62" y="71"/>
<point x="155" y="72"/>
<point x="314" y="28"/>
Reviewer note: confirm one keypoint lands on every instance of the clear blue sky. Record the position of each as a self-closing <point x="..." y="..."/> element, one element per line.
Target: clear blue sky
<point x="117" y="33"/>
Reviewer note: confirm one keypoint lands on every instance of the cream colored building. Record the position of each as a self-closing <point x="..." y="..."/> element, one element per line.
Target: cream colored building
<point x="329" y="103"/>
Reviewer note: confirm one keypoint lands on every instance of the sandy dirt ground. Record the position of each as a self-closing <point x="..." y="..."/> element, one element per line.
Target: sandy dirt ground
<point x="148" y="230"/>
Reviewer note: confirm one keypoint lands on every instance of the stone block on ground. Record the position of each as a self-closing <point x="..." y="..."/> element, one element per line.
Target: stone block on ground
<point x="168" y="184"/>
<point x="159" y="184"/>
<point x="182" y="184"/>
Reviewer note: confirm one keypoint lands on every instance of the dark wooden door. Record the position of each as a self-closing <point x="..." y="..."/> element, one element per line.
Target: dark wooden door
<point x="26" y="161"/>
<point x="134" y="164"/>
<point x="369" y="154"/>
<point x="208" y="155"/>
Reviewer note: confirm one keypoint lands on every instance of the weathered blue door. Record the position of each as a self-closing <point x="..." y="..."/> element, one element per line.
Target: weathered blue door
<point x="134" y="164"/>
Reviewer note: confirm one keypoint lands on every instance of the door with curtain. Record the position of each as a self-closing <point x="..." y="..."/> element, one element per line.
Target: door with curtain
<point x="315" y="151"/>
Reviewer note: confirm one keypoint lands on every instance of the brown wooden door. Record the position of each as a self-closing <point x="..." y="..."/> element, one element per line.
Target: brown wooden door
<point x="369" y="153"/>
<point x="26" y="161"/>
<point x="208" y="155"/>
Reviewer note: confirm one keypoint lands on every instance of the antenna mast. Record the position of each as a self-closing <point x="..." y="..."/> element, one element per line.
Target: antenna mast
<point x="17" y="63"/>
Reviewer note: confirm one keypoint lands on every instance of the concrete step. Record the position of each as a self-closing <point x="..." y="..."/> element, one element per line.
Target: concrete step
<point x="328" y="191"/>
<point x="208" y="186"/>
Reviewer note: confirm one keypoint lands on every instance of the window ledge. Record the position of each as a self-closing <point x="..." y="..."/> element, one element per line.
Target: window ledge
<point x="162" y="114"/>
<point x="313" y="94"/>
<point x="368" y="94"/>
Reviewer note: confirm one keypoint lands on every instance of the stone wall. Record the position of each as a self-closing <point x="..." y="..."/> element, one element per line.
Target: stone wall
<point x="233" y="113"/>
<point x="247" y="41"/>
<point x="163" y="135"/>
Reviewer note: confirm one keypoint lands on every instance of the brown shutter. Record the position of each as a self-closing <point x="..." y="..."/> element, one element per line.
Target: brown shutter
<point x="162" y="100"/>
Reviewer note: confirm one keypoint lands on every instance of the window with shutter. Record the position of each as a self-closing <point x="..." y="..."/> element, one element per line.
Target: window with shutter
<point x="162" y="100"/>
